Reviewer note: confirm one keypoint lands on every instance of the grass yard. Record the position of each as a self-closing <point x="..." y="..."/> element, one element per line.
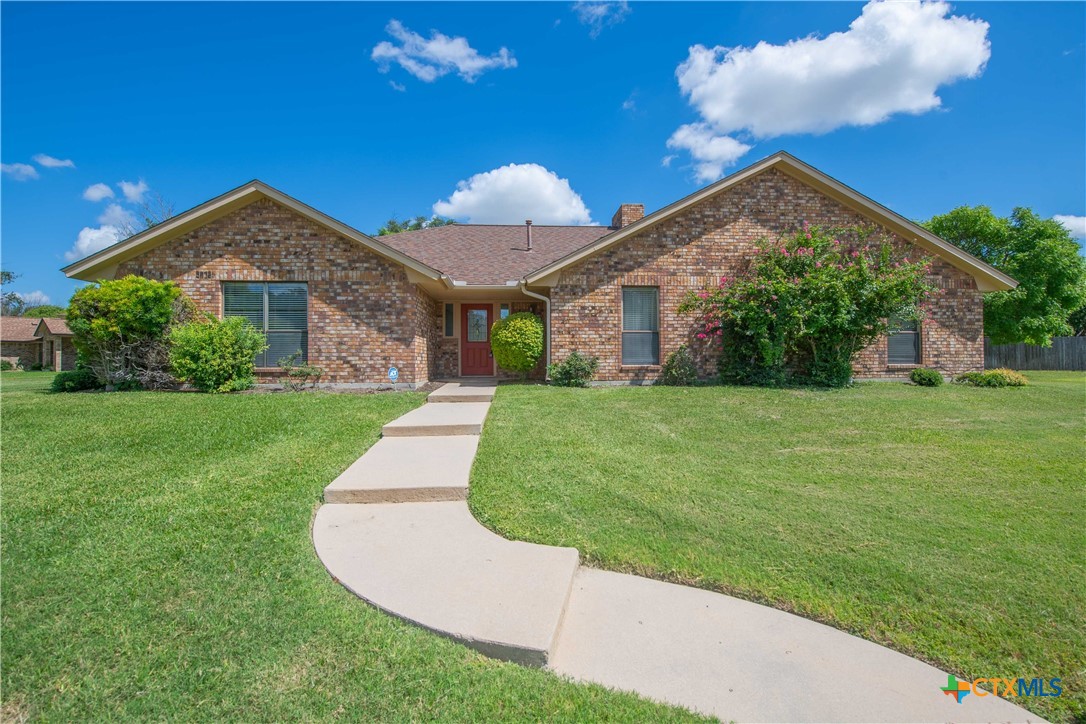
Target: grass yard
<point x="157" y="565"/>
<point x="948" y="523"/>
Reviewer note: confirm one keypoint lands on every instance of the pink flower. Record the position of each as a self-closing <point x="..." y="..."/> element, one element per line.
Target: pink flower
<point x="808" y="235"/>
<point x="806" y="226"/>
<point x="818" y="265"/>
<point x="836" y="242"/>
<point x="773" y="297"/>
<point x="701" y="335"/>
<point x="855" y="254"/>
<point x="703" y="295"/>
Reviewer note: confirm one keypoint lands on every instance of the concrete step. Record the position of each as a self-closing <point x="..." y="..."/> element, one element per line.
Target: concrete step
<point x="432" y="564"/>
<point x="463" y="392"/>
<point x="465" y="418"/>
<point x="408" y="469"/>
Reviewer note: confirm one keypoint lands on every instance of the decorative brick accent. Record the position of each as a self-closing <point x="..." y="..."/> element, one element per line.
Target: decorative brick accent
<point x="627" y="214"/>
<point x="717" y="237"/>
<point x="362" y="308"/>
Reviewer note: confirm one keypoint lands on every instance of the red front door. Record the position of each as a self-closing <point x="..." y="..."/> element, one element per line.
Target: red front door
<point x="475" y="355"/>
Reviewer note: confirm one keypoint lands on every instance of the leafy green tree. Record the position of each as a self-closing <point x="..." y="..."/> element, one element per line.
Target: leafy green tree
<point x="46" y="310"/>
<point x="120" y="326"/>
<point x="1039" y="253"/>
<point x="395" y="226"/>
<point x="11" y="304"/>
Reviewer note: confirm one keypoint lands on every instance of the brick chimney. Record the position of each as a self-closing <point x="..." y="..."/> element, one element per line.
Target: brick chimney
<point x="627" y="214"/>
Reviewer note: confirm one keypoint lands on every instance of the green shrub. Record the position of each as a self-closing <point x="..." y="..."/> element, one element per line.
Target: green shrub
<point x="517" y="342"/>
<point x="679" y="369"/>
<point x="807" y="305"/>
<point x="926" y="377"/>
<point x="216" y="355"/>
<point x="37" y="367"/>
<point x="1000" y="377"/>
<point x="120" y="327"/>
<point x="6" y="365"/>
<point x="296" y="377"/>
<point x="574" y="371"/>
<point x="75" y="380"/>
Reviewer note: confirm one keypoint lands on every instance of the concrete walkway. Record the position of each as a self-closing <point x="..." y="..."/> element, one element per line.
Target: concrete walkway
<point x="414" y="550"/>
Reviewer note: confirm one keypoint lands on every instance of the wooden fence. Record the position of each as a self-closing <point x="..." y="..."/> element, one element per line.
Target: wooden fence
<point x="1066" y="353"/>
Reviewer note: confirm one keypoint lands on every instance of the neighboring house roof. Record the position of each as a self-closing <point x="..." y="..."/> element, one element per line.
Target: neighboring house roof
<point x="492" y="254"/>
<point x="988" y="278"/>
<point x="53" y="325"/>
<point x="18" y="329"/>
<point x="103" y="263"/>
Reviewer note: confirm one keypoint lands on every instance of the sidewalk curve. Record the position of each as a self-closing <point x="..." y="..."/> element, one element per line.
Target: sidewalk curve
<point x="433" y="564"/>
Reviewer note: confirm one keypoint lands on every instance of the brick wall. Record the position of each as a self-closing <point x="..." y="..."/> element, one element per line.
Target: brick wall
<point x="715" y="238"/>
<point x="25" y="353"/>
<point x="362" y="308"/>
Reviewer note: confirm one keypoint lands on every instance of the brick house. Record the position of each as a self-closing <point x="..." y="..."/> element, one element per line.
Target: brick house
<point x="28" y="341"/>
<point x="424" y="301"/>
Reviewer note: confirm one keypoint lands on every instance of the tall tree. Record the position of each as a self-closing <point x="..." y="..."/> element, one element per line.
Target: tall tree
<point x="395" y="226"/>
<point x="11" y="304"/>
<point x="1039" y="253"/>
<point x="46" y="310"/>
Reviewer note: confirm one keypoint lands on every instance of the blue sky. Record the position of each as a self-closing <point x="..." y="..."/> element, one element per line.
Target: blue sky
<point x="973" y="103"/>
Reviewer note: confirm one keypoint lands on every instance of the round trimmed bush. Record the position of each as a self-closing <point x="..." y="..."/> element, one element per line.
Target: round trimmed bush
<point x="574" y="371"/>
<point x="926" y="377"/>
<point x="216" y="355"/>
<point x="517" y="342"/>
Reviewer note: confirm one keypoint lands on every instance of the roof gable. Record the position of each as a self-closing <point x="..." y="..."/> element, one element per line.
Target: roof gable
<point x="53" y="325"/>
<point x="987" y="277"/>
<point x="102" y="263"/>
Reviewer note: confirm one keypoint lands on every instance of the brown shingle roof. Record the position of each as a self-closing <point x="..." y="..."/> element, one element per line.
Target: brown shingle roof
<point x="18" y="329"/>
<point x="492" y="254"/>
<point x="56" y="325"/>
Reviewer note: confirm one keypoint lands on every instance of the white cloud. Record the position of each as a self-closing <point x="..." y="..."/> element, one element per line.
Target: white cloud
<point x="712" y="153"/>
<point x="35" y="298"/>
<point x="666" y="160"/>
<point x="599" y="15"/>
<point x="397" y="86"/>
<point x="513" y="193"/>
<point x="134" y="191"/>
<point x="92" y="239"/>
<point x="630" y="104"/>
<point x="440" y="55"/>
<point x="47" y="161"/>
<point x="19" y="171"/>
<point x="97" y="192"/>
<point x="1075" y="224"/>
<point x="892" y="59"/>
<point x="117" y="216"/>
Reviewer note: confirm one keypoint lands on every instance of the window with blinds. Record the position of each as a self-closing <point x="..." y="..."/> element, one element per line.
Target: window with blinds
<point x="903" y="344"/>
<point x="640" y="326"/>
<point x="279" y="309"/>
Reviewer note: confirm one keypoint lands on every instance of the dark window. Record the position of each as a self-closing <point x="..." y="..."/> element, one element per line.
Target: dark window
<point x="278" y="309"/>
<point x="640" y="326"/>
<point x="449" y="319"/>
<point x="503" y="312"/>
<point x="903" y="344"/>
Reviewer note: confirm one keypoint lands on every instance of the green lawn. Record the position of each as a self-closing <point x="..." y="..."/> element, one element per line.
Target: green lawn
<point x="946" y="523"/>
<point x="157" y="565"/>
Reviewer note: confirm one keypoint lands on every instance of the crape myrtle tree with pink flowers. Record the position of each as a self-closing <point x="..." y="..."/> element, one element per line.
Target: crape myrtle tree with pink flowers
<point x="808" y="304"/>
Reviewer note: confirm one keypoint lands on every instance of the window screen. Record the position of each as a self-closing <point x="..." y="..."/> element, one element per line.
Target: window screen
<point x="903" y="344"/>
<point x="640" y="326"/>
<point x="278" y="309"/>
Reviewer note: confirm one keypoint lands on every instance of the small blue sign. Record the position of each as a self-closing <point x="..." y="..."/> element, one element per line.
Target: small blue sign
<point x="393" y="374"/>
